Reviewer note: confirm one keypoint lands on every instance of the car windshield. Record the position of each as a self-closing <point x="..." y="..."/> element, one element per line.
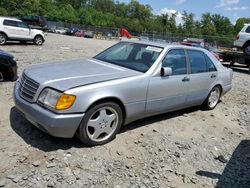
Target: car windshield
<point x="135" y="56"/>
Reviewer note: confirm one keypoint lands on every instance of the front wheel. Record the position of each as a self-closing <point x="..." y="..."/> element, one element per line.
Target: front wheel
<point x="1" y="77"/>
<point x="100" y="124"/>
<point x="213" y="98"/>
<point x="3" y="39"/>
<point x="38" y="40"/>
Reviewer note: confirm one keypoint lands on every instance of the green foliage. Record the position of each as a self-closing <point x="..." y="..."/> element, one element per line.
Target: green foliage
<point x="240" y="23"/>
<point x="134" y="16"/>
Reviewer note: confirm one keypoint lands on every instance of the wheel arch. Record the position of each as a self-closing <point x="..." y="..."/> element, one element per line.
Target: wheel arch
<point x="246" y="43"/>
<point x="4" y="33"/>
<point x="212" y="86"/>
<point x="110" y="99"/>
<point x="220" y="86"/>
<point x="38" y="35"/>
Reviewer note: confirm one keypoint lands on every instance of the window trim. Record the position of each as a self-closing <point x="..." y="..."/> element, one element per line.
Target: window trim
<point x="187" y="64"/>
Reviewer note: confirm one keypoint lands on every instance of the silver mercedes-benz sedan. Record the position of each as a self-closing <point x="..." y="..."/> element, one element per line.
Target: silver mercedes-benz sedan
<point x="94" y="97"/>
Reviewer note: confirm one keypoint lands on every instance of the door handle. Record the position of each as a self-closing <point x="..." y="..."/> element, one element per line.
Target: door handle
<point x="213" y="76"/>
<point x="185" y="79"/>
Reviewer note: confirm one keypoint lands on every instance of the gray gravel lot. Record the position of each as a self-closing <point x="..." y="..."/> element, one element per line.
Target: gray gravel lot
<point x="187" y="148"/>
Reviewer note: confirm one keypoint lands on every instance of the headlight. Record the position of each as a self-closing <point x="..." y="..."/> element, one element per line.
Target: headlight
<point x="56" y="100"/>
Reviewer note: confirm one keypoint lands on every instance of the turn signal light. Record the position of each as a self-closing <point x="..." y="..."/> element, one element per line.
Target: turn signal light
<point x="65" y="101"/>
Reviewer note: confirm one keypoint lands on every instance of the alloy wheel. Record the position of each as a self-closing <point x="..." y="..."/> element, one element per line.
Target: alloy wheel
<point x="102" y="124"/>
<point x="214" y="97"/>
<point x="2" y="39"/>
<point x="39" y="40"/>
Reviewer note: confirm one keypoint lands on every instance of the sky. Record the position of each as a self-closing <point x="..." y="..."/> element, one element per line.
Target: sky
<point x="233" y="9"/>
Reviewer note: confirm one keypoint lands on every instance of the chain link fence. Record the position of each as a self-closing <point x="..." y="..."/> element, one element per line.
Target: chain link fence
<point x="113" y="33"/>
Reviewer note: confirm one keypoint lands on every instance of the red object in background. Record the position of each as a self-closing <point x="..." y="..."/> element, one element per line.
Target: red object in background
<point x="79" y="34"/>
<point x="125" y="33"/>
<point x="216" y="56"/>
<point x="186" y="43"/>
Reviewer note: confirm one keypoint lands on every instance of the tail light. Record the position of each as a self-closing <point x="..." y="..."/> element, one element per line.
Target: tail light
<point x="237" y="37"/>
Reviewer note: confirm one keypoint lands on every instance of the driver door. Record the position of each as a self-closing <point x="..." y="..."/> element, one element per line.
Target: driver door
<point x="170" y="92"/>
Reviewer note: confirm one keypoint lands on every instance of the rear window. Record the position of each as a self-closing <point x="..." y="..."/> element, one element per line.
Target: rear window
<point x="248" y="29"/>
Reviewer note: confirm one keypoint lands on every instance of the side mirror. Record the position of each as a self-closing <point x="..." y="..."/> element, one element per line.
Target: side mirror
<point x="166" y="71"/>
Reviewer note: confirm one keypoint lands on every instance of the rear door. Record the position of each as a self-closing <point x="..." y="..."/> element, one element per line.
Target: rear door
<point x="10" y="27"/>
<point x="202" y="75"/>
<point x="170" y="92"/>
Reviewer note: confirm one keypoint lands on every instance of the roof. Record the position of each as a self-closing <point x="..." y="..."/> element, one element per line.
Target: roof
<point x="165" y="45"/>
<point x="9" y="18"/>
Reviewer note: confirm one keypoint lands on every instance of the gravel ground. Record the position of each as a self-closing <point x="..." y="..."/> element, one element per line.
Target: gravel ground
<point x="187" y="148"/>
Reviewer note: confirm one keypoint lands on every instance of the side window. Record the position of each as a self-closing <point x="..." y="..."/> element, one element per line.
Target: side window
<point x="22" y="25"/>
<point x="176" y="60"/>
<point x="248" y="29"/>
<point x="210" y="65"/>
<point x="197" y="61"/>
<point x="10" y="23"/>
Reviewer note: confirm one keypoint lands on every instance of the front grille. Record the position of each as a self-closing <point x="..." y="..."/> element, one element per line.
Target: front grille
<point x="28" y="88"/>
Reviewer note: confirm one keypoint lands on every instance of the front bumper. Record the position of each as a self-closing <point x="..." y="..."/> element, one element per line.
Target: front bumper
<point x="59" y="125"/>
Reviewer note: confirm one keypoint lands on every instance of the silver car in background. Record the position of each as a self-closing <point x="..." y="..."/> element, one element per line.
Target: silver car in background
<point x="94" y="97"/>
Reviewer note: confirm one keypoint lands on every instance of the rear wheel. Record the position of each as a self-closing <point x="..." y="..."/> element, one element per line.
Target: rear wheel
<point x="246" y="49"/>
<point x="38" y="40"/>
<point x="100" y="124"/>
<point x="213" y="98"/>
<point x="3" y="39"/>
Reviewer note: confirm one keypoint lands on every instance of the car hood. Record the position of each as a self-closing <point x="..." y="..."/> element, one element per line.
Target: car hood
<point x="3" y="53"/>
<point x="69" y="74"/>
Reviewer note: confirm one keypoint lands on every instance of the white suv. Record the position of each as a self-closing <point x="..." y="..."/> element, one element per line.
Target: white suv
<point x="12" y="29"/>
<point x="243" y="39"/>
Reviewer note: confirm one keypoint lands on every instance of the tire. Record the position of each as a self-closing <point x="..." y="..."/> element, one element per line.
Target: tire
<point x="1" y="77"/>
<point x="246" y="49"/>
<point x="3" y="39"/>
<point x="38" y="40"/>
<point x="100" y="124"/>
<point x="213" y="98"/>
<point x="5" y="74"/>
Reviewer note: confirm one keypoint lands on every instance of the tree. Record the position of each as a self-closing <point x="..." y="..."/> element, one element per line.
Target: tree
<point x="240" y="23"/>
<point x="207" y="25"/>
<point x="188" y="23"/>
<point x="222" y="25"/>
